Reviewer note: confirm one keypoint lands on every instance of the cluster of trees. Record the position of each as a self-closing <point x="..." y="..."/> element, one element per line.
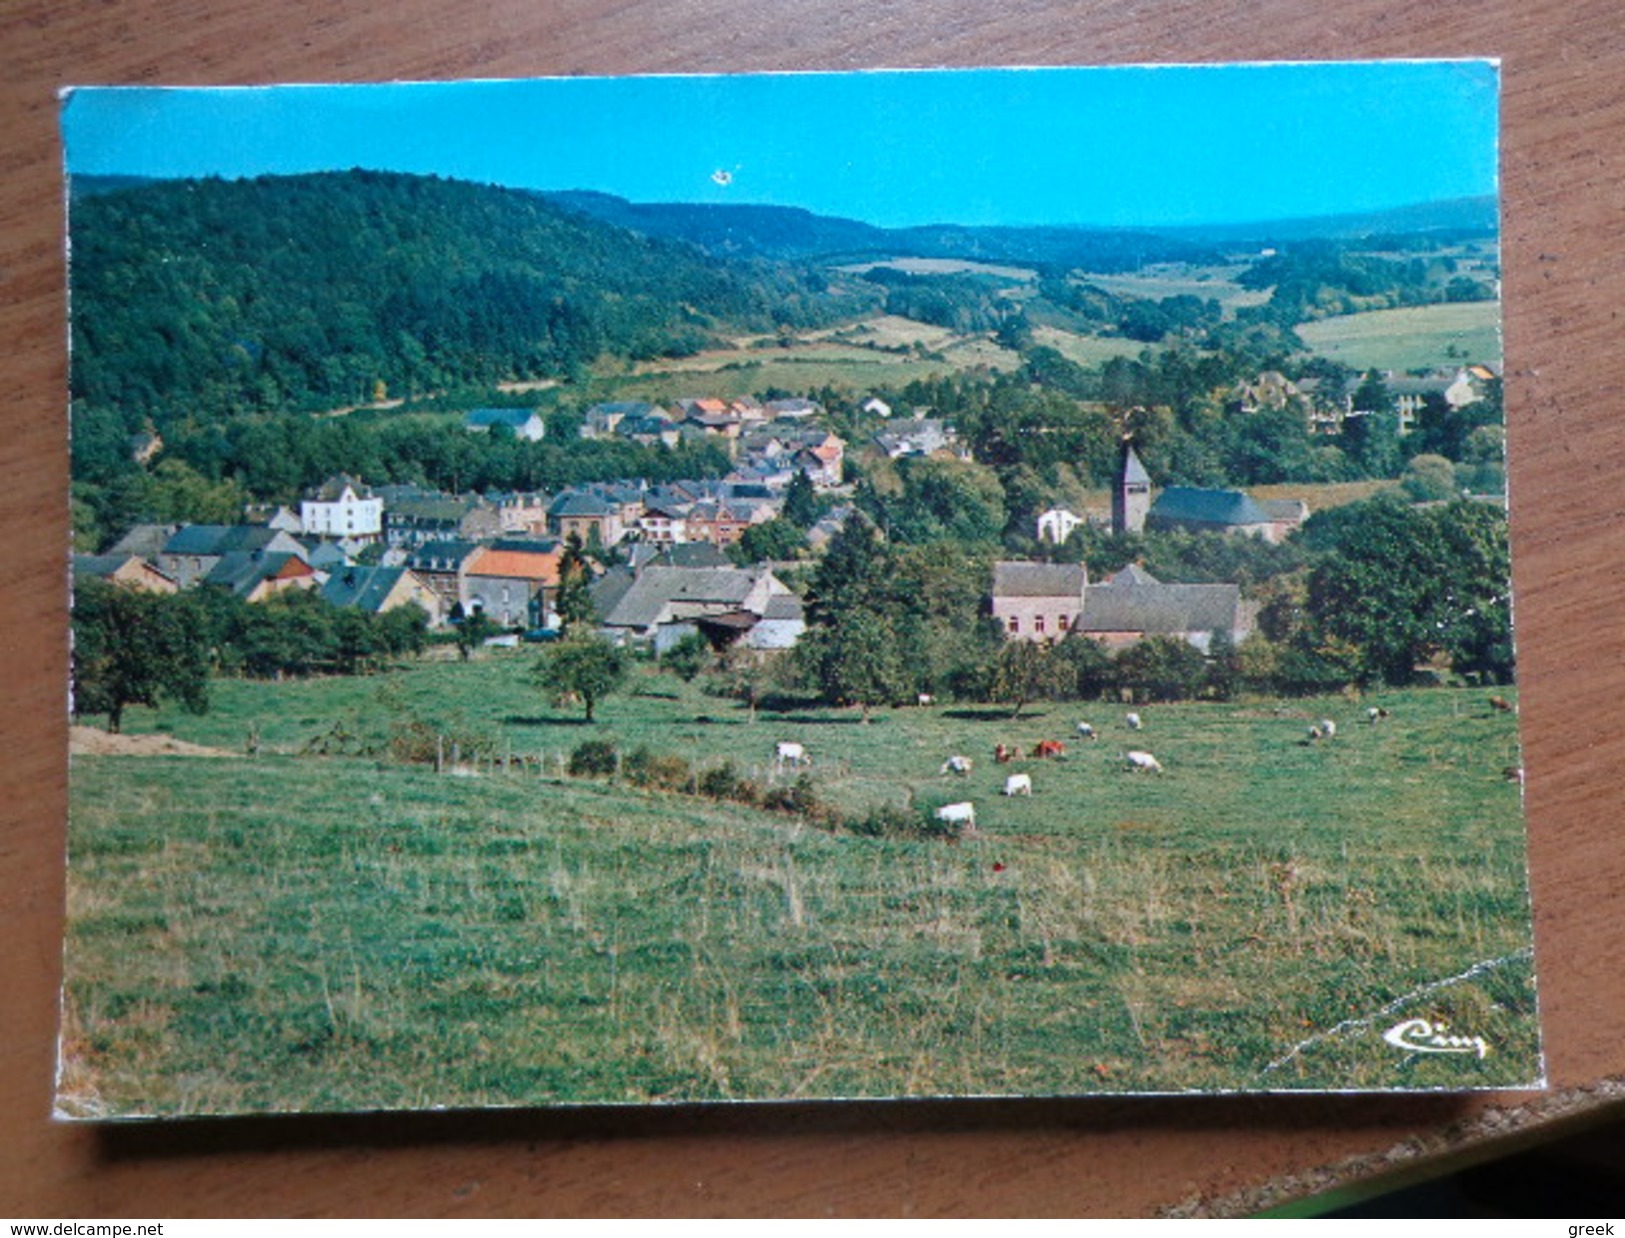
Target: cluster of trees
<point x="315" y="291"/>
<point x="137" y="648"/>
<point x="1319" y="278"/>
<point x="1370" y="593"/>
<point x="207" y="471"/>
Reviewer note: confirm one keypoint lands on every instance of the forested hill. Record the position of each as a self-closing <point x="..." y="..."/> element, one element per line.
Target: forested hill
<point x="200" y="299"/>
<point x="792" y="233"/>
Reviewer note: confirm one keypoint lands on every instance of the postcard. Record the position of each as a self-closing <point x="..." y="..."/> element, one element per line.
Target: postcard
<point x="790" y="586"/>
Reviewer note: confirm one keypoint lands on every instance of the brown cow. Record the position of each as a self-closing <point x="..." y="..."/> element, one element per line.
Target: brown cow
<point x="1049" y="748"/>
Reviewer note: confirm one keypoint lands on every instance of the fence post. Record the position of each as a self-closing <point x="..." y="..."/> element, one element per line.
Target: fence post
<point x="439" y="753"/>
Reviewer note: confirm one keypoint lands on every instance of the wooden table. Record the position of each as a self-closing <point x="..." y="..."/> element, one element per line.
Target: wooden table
<point x="1564" y="121"/>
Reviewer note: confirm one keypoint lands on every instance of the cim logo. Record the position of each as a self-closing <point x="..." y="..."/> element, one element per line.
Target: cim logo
<point x="1425" y="1036"/>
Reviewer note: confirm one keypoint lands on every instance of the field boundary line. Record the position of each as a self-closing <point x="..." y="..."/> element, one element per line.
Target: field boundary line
<point x="1433" y="986"/>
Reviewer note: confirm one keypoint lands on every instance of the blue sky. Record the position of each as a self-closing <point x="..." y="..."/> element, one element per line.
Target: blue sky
<point x="1114" y="146"/>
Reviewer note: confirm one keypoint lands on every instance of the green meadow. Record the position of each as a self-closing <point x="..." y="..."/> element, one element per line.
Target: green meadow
<point x="1416" y="338"/>
<point x="300" y="932"/>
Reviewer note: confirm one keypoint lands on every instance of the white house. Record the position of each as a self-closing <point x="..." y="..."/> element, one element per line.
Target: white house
<point x="342" y="508"/>
<point x="1056" y="525"/>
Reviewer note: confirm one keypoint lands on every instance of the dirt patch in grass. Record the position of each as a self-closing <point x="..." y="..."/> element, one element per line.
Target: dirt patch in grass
<point x="93" y="742"/>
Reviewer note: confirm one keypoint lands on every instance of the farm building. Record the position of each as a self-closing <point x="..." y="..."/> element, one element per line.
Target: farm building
<point x="525" y="423"/>
<point x="191" y="552"/>
<point x="1133" y="604"/>
<point x="510" y="583"/>
<point x="663" y="604"/>
<point x="1038" y="601"/>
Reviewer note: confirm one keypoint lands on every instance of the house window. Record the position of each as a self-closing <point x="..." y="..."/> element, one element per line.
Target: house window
<point x="1015" y="625"/>
<point x="1038" y="624"/>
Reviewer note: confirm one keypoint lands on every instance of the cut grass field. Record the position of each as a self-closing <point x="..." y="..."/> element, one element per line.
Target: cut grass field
<point x="1416" y="338"/>
<point x="288" y="932"/>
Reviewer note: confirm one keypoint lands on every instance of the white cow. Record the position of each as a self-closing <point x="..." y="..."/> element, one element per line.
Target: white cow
<point x="1133" y="721"/>
<point x="957" y="765"/>
<point x="962" y="814"/>
<point x="925" y="698"/>
<point x="1018" y="784"/>
<point x="1328" y="728"/>
<point x="1085" y="731"/>
<point x="1144" y="760"/>
<point x="792" y="754"/>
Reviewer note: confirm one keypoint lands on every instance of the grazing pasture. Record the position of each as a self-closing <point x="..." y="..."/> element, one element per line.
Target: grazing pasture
<point x="330" y="932"/>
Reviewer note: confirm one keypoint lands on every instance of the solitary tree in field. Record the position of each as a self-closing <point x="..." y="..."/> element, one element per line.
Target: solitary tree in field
<point x="1028" y="670"/>
<point x="587" y="667"/>
<point x="132" y="648"/>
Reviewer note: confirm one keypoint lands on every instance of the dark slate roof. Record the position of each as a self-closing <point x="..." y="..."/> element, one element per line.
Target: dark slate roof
<point x="240" y="570"/>
<point x="660" y="587"/>
<point x="99" y="565"/>
<point x="608" y="590"/>
<point x="1158" y="609"/>
<point x="426" y="556"/>
<point x="219" y="539"/>
<point x="485" y="418"/>
<point x="331" y="489"/>
<point x="1218" y="507"/>
<point x="363" y="587"/>
<point x="578" y="504"/>
<point x="1038" y="580"/>
<point x="146" y="540"/>
<point x="695" y="554"/>
<point x="784" y="606"/>
<point x="627" y="408"/>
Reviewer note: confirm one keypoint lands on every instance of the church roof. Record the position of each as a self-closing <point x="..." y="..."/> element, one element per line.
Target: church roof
<point x="1220" y="507"/>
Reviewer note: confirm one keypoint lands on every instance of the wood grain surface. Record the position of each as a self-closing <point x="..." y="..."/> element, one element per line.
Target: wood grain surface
<point x="1564" y="203"/>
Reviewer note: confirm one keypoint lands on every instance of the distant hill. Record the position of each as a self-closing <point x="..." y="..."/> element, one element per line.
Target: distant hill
<point x="207" y="297"/>
<point x="1460" y="217"/>
<point x="793" y="233"/>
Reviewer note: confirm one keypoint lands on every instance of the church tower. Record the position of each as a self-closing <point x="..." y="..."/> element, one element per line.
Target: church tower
<point x="1131" y="493"/>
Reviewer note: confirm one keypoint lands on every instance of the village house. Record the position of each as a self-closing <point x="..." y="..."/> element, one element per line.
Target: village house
<point x="1057" y="524"/>
<point x="794" y="409"/>
<point x="663" y="604"/>
<point x="520" y="512"/>
<point x="1038" y="601"/>
<point x="125" y="570"/>
<point x="600" y="420"/>
<point x="413" y="516"/>
<point x="525" y="423"/>
<point x="440" y="566"/>
<point x="378" y="590"/>
<point x="193" y="550"/>
<point x="923" y="436"/>
<point x="255" y="575"/>
<point x="512" y="583"/>
<point x="341" y="507"/>
<point x="649" y="428"/>
<point x="585" y="515"/>
<point x="665" y="524"/>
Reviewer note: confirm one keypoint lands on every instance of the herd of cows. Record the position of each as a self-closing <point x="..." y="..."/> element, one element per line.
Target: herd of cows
<point x="962" y="815"/>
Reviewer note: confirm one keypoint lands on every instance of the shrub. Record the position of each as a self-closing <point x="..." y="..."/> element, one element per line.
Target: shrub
<point x="594" y="758"/>
<point x="719" y="782"/>
<point x="648" y="769"/>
